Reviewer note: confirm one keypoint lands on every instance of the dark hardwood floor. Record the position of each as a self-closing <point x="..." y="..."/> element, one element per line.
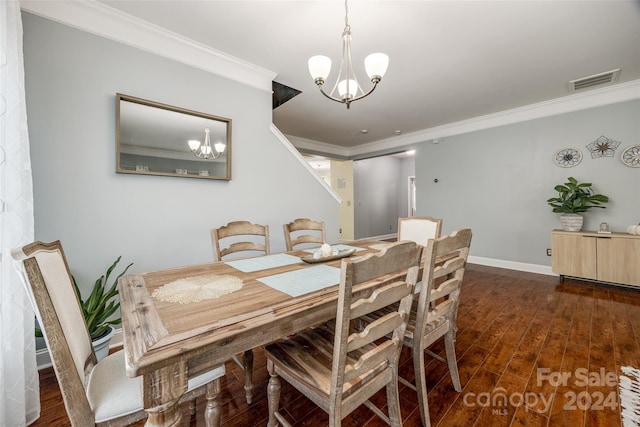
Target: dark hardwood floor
<point x="531" y="352"/>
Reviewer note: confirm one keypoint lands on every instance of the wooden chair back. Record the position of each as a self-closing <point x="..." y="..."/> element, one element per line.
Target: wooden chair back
<point x="304" y="230"/>
<point x="435" y="311"/>
<point x="373" y="353"/>
<point x="240" y="236"/>
<point x="47" y="277"/>
<point x="446" y="260"/>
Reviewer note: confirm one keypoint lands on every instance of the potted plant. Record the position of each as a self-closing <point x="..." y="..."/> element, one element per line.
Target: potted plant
<point x="573" y="199"/>
<point x="101" y="304"/>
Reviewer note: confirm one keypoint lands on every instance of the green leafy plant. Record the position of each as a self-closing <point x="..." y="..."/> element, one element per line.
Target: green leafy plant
<point x="101" y="304"/>
<point x="575" y="197"/>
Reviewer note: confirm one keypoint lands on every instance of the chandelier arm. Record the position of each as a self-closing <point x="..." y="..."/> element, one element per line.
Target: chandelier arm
<point x="365" y="94"/>
<point x="342" y="101"/>
<point x="199" y="154"/>
<point x="347" y="100"/>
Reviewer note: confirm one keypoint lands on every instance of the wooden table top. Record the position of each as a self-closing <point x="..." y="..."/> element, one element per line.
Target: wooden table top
<point x="209" y="332"/>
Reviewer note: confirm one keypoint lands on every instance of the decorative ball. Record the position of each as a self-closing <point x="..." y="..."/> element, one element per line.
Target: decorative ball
<point x="326" y="250"/>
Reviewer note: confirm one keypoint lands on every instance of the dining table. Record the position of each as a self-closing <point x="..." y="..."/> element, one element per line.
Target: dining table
<point x="180" y="322"/>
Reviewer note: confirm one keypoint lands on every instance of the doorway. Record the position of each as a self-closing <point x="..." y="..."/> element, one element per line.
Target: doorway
<point x="411" y="197"/>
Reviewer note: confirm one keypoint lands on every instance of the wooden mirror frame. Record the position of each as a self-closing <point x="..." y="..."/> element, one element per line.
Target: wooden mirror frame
<point x="152" y="139"/>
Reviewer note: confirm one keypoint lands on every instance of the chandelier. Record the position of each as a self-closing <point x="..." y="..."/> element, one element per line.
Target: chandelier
<point x="204" y="150"/>
<point x="349" y="89"/>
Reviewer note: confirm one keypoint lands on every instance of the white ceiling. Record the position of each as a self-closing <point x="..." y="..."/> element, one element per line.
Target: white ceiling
<point x="449" y="60"/>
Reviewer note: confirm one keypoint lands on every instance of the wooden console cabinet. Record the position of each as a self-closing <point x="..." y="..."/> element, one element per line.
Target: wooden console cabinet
<point x="590" y="255"/>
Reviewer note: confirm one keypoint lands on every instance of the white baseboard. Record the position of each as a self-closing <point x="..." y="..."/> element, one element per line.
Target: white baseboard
<point x="512" y="265"/>
<point x="43" y="359"/>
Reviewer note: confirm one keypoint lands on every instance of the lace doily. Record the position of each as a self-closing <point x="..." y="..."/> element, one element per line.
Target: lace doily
<point x="195" y="289"/>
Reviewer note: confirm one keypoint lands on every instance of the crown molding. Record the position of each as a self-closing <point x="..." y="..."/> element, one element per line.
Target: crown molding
<point x="613" y="94"/>
<point x="105" y="21"/>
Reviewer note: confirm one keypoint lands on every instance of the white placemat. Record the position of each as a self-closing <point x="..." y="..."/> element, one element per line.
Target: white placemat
<point x="266" y="262"/>
<point x="300" y="282"/>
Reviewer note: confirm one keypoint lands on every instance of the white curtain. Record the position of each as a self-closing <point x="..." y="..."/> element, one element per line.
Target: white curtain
<point x="19" y="387"/>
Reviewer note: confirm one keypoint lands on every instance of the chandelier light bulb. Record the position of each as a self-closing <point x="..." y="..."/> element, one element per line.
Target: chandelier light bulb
<point x="376" y="65"/>
<point x="347" y="89"/>
<point x="319" y="67"/>
<point x="220" y="146"/>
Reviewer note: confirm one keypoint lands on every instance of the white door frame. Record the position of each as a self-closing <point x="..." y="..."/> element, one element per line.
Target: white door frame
<point x="411" y="208"/>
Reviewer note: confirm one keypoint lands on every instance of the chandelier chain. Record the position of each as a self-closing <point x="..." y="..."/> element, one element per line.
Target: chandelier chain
<point x="346" y="14"/>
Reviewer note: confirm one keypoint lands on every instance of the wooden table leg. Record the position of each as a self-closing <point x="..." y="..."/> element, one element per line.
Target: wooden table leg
<point x="162" y="390"/>
<point x="247" y="364"/>
<point x="213" y="410"/>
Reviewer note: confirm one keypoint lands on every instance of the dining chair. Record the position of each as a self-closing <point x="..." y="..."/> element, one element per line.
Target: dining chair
<point x="94" y="393"/>
<point x="240" y="236"/>
<point x="434" y="312"/>
<point x="419" y="229"/>
<point x="338" y="368"/>
<point x="304" y="230"/>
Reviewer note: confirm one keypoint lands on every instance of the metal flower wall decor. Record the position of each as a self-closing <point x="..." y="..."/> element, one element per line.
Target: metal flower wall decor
<point x="603" y="147"/>
<point x="631" y="156"/>
<point x="567" y="157"/>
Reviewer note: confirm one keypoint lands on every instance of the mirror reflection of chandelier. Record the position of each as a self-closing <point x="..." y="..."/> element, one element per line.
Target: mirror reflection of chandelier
<point x="204" y="150"/>
<point x="349" y="89"/>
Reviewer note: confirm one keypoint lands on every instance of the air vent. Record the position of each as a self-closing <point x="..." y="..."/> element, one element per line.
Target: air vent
<point x="595" y="80"/>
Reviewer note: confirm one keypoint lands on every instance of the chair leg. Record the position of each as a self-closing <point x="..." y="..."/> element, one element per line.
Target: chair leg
<point x="192" y="407"/>
<point x="450" y="347"/>
<point x="212" y="411"/>
<point x="421" y="386"/>
<point x="393" y="403"/>
<point x="273" y="394"/>
<point x="247" y="366"/>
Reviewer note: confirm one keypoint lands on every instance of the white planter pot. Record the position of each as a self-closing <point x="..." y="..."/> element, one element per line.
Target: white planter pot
<point x="101" y="345"/>
<point x="571" y="222"/>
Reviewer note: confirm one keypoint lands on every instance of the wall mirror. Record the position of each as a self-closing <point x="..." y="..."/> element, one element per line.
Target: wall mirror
<point x="159" y="139"/>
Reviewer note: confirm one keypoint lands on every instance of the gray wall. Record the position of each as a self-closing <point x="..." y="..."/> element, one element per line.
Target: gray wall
<point x="497" y="181"/>
<point x="156" y="222"/>
<point x="380" y="192"/>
